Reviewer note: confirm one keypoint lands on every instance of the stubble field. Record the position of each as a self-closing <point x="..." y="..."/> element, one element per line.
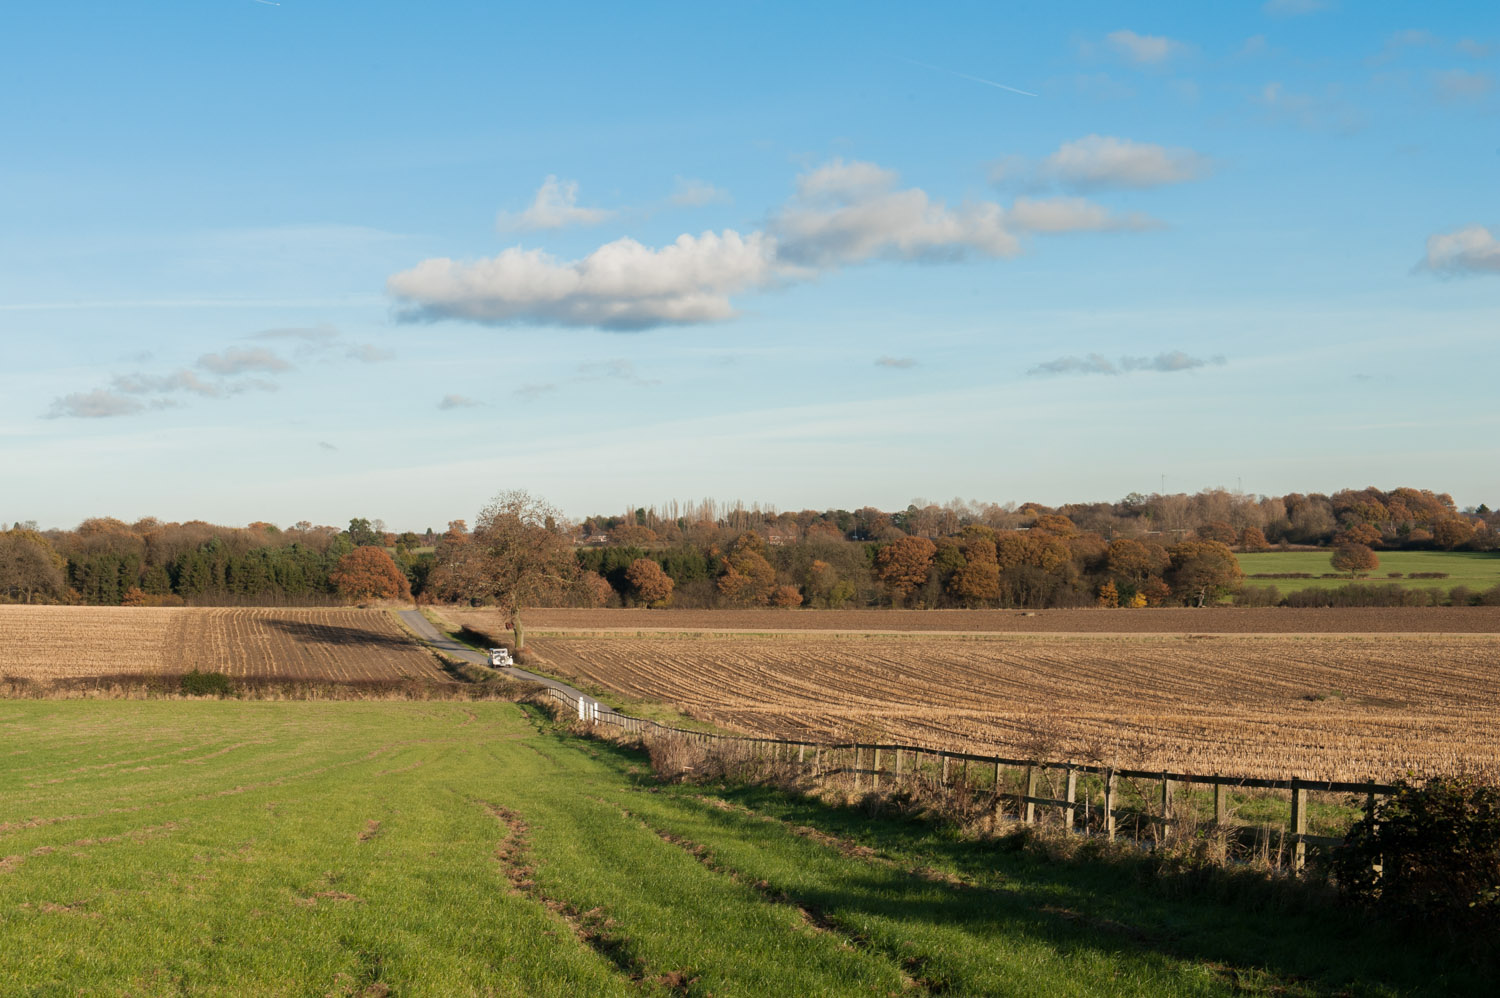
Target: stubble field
<point x="1324" y="703"/>
<point x="53" y="642"/>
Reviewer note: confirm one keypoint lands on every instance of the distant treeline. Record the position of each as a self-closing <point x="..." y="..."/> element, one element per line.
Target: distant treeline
<point x="1139" y="551"/>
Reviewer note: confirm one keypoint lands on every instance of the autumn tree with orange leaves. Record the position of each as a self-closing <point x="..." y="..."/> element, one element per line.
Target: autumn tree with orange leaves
<point x="748" y="578"/>
<point x="369" y="573"/>
<point x="649" y="583"/>
<point x="903" y="566"/>
<point x="1355" y="558"/>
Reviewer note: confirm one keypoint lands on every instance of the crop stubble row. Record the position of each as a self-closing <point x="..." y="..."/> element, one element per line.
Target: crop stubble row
<point x="50" y="642"/>
<point x="1344" y="708"/>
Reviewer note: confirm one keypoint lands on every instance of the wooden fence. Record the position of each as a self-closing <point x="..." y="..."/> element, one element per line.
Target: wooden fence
<point x="1154" y="808"/>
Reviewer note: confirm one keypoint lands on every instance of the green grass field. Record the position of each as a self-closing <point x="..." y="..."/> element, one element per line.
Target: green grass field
<point x="1477" y="570"/>
<point x="383" y="849"/>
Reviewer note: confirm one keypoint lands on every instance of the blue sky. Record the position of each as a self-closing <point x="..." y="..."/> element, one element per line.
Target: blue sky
<point x="319" y="260"/>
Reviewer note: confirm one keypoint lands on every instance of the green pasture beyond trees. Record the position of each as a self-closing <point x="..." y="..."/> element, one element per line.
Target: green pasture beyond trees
<point x="298" y="848"/>
<point x="1475" y="569"/>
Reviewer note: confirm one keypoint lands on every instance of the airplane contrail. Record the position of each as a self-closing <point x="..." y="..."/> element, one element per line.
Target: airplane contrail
<point x="972" y="79"/>
<point x="268" y="3"/>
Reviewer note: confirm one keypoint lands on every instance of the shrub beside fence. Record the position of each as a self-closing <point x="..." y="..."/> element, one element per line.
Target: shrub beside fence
<point x="1088" y="799"/>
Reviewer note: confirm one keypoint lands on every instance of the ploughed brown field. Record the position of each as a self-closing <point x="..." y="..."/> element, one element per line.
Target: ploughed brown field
<point x="54" y="642"/>
<point x="1302" y="694"/>
<point x="1175" y="620"/>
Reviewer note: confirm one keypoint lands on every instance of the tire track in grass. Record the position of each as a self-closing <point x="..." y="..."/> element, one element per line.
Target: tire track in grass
<point x="593" y="928"/>
<point x="810" y="914"/>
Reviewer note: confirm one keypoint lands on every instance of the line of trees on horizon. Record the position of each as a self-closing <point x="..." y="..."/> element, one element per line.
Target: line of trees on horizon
<point x="1142" y="551"/>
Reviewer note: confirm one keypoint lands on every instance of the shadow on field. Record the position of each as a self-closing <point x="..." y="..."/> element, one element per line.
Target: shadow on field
<point x="1250" y="933"/>
<point x="334" y="634"/>
<point x="1253" y="934"/>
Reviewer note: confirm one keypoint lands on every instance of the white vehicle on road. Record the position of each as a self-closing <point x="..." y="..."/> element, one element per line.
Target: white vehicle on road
<point x="500" y="658"/>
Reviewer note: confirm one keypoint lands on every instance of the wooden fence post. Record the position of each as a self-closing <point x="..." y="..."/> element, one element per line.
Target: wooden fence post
<point x="1166" y="808"/>
<point x="898" y="765"/>
<point x="1070" y="795"/>
<point x="1221" y="806"/>
<point x="1299" y="826"/>
<point x="1028" y="809"/>
<point x="875" y="768"/>
<point x="801" y="754"/>
<point x="1109" y="804"/>
<point x="945" y="767"/>
<point x="855" y="767"/>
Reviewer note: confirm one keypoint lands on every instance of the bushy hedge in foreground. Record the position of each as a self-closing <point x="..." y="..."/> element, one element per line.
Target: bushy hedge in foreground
<point x="1430" y="852"/>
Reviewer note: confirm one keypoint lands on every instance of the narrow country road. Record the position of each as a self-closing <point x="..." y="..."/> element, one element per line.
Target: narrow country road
<point x="424" y="629"/>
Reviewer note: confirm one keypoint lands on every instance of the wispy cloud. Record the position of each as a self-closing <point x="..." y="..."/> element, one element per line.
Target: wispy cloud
<point x="138" y="391"/>
<point x="325" y="343"/>
<point x="1164" y="363"/>
<point x="1457" y="85"/>
<point x="306" y="334"/>
<point x="1105" y="162"/>
<point x="1144" y="50"/>
<point x="972" y="79"/>
<point x="326" y="446"/>
<point x="101" y="403"/>
<point x="616" y="368"/>
<point x="899" y="363"/>
<point x="555" y="206"/>
<point x="1070" y="214"/>
<point x="1328" y="112"/>
<point x="238" y="361"/>
<point x="458" y="402"/>
<point x="1470" y="250"/>
<point x="368" y="353"/>
<point x="693" y="193"/>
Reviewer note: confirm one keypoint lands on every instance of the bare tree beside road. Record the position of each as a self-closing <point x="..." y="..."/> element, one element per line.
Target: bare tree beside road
<point x="519" y="554"/>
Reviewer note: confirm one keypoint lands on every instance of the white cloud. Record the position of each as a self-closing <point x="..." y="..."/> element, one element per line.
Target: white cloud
<point x="620" y="285"/>
<point x="693" y="193"/>
<point x="850" y="212"/>
<point x="1459" y="85"/>
<point x="1474" y="49"/>
<point x="458" y="402"/>
<point x="1097" y="162"/>
<point x="554" y="207"/>
<point x="1144" y="50"/>
<point x="238" y="361"/>
<point x="101" y="403"/>
<point x="899" y="363"/>
<point x="1074" y="215"/>
<point x="841" y="214"/>
<point x="1470" y="250"/>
